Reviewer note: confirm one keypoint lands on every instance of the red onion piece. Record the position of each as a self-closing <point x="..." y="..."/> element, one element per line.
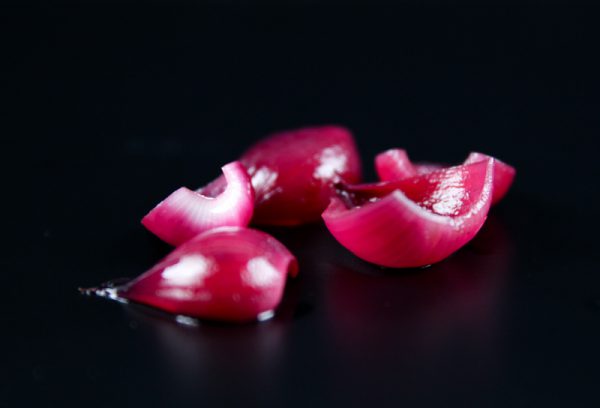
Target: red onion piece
<point x="504" y="174"/>
<point x="394" y="164"/>
<point x="415" y="221"/>
<point x="293" y="173"/>
<point x="186" y="213"/>
<point x="228" y="274"/>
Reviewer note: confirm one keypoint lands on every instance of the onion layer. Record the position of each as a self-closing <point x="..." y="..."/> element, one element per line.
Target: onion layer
<point x="293" y="173"/>
<point x="394" y="164"/>
<point x="504" y="175"/>
<point x="228" y="274"/>
<point x="415" y="221"/>
<point x="186" y="213"/>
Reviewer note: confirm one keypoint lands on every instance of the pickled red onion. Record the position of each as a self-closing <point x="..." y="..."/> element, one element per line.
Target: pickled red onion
<point x="414" y="221"/>
<point x="186" y="213"/>
<point x="227" y="274"/>
<point x="293" y="173"/>
<point x="394" y="164"/>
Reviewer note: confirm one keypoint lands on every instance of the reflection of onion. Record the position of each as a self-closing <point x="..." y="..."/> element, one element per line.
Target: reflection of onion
<point x="417" y="316"/>
<point x="186" y="213"/>
<point x="416" y="221"/>
<point x="203" y="363"/>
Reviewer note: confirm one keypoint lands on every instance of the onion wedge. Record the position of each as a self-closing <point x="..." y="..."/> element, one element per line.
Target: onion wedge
<point x="226" y="274"/>
<point x="293" y="173"/>
<point x="186" y="213"/>
<point x="415" y="221"/>
<point x="394" y="164"/>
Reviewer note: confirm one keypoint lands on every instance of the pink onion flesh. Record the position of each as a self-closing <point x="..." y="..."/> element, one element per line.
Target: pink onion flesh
<point x="414" y="221"/>
<point x="227" y="274"/>
<point x="293" y="173"/>
<point x="186" y="213"/>
<point x="504" y="175"/>
<point x="394" y="164"/>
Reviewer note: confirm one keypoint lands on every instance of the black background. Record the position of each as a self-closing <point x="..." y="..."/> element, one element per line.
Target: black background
<point x="108" y="108"/>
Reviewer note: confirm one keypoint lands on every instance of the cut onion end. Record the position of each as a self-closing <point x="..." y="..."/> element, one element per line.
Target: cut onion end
<point x="214" y="188"/>
<point x="416" y="221"/>
<point x="186" y="213"/>
<point x="227" y="274"/>
<point x="394" y="164"/>
<point x="504" y="175"/>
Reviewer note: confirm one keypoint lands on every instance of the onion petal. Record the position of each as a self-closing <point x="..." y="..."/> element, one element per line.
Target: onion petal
<point x="415" y="221"/>
<point x="186" y="213"/>
<point x="293" y="173"/>
<point x="228" y="274"/>
<point x="504" y="174"/>
<point x="394" y="164"/>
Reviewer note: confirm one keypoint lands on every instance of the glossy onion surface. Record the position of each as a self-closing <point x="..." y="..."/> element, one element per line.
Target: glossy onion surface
<point x="394" y="164"/>
<point x="186" y="213"/>
<point x="293" y="173"/>
<point x="415" y="221"/>
<point x="227" y="274"/>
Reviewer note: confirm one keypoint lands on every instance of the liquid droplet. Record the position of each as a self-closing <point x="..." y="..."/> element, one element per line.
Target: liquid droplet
<point x="109" y="290"/>
<point x="265" y="315"/>
<point x="187" y="321"/>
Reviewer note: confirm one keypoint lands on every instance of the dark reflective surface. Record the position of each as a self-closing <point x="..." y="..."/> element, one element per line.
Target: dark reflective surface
<point x="110" y="110"/>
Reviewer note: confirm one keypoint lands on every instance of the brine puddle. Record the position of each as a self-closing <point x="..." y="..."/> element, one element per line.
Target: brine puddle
<point x="110" y="290"/>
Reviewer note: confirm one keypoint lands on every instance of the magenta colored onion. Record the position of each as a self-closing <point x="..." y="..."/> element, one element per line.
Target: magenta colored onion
<point x="504" y="175"/>
<point x="186" y="213"/>
<point x="415" y="221"/>
<point x="394" y="164"/>
<point x="293" y="173"/>
<point x="227" y="274"/>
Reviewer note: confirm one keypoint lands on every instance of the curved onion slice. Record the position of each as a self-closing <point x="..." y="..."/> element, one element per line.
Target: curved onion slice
<point x="229" y="274"/>
<point x="293" y="173"/>
<point x="394" y="164"/>
<point x="504" y="174"/>
<point x="186" y="213"/>
<point x="414" y="221"/>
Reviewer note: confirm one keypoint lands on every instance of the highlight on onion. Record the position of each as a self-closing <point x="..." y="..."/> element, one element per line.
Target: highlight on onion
<point x="414" y="221"/>
<point x="227" y="274"/>
<point x="394" y="164"/>
<point x="186" y="213"/>
<point x="293" y="173"/>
